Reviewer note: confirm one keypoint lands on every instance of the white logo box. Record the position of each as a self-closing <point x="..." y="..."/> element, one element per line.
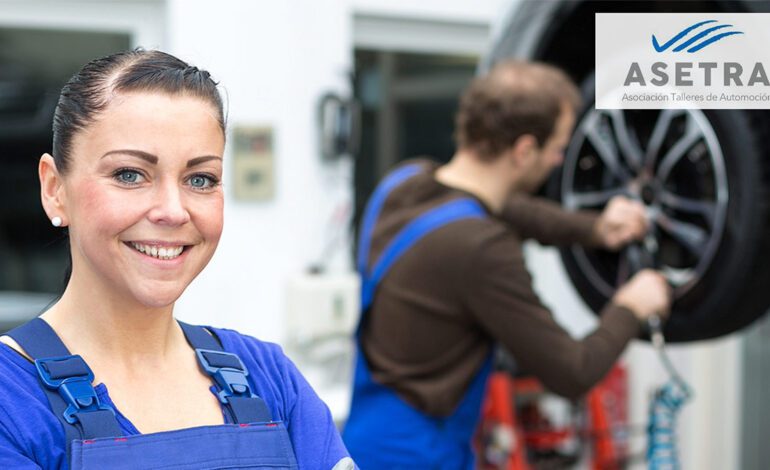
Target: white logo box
<point x="697" y="60"/>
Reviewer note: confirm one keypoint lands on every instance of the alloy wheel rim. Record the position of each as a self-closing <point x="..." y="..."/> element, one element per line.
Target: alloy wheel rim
<point x="669" y="160"/>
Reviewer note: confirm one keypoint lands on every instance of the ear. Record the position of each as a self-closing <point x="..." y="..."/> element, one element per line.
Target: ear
<point x="51" y="189"/>
<point x="524" y="150"/>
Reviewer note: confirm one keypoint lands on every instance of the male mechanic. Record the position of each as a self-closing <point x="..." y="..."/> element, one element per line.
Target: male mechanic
<point x="444" y="277"/>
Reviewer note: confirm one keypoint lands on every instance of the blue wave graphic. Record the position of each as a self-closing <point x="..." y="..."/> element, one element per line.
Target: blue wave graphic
<point x="713" y="39"/>
<point x="679" y="36"/>
<point x="702" y="35"/>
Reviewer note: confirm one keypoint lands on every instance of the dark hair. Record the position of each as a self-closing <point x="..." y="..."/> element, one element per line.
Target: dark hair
<point x="90" y="90"/>
<point x="513" y="99"/>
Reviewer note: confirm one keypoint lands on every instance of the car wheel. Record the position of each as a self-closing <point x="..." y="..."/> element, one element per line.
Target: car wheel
<point x="703" y="177"/>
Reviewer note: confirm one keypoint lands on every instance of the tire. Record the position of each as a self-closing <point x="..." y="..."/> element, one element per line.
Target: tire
<point x="710" y="206"/>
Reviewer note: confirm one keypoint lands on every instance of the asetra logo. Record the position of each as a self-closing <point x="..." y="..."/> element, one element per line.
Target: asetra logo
<point x="682" y="60"/>
<point x="694" y="74"/>
<point x="704" y="35"/>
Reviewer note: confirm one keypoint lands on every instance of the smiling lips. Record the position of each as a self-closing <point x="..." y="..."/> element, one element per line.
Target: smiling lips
<point x="165" y="252"/>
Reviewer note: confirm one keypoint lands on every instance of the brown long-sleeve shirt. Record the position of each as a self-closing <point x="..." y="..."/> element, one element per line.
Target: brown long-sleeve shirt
<point x="463" y="287"/>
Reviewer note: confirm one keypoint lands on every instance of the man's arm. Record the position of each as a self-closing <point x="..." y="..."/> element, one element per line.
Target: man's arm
<point x="499" y="294"/>
<point x="548" y="223"/>
<point x="621" y="222"/>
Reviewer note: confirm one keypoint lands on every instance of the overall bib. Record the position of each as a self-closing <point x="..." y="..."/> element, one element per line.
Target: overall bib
<point x="383" y="431"/>
<point x="94" y="439"/>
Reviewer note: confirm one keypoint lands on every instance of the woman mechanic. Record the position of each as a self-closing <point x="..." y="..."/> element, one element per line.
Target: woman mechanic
<point x="107" y="378"/>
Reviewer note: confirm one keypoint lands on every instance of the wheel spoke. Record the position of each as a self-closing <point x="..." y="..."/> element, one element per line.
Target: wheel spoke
<point x="678" y="150"/>
<point x="578" y="200"/>
<point x="658" y="134"/>
<point x="692" y="237"/>
<point x="630" y="150"/>
<point x="707" y="209"/>
<point x="607" y="153"/>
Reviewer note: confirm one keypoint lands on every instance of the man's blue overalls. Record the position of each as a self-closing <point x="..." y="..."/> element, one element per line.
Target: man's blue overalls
<point x="383" y="431"/>
<point x="95" y="441"/>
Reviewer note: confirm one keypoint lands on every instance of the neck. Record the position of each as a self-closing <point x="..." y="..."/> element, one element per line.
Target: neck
<point x="486" y="181"/>
<point x="93" y="321"/>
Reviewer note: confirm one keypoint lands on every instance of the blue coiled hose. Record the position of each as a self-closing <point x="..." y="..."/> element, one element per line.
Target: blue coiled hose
<point x="662" y="451"/>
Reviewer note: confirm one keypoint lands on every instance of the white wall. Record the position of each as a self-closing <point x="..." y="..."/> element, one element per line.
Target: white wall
<point x="275" y="60"/>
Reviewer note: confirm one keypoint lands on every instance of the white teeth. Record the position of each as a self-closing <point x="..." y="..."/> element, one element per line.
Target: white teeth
<point x="169" y="252"/>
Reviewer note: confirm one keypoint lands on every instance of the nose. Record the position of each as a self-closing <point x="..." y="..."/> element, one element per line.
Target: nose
<point x="169" y="206"/>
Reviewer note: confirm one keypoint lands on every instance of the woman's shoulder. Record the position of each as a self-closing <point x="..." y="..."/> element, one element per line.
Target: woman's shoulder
<point x="18" y="377"/>
<point x="275" y="378"/>
<point x="28" y="428"/>
<point x="262" y="358"/>
<point x="249" y="348"/>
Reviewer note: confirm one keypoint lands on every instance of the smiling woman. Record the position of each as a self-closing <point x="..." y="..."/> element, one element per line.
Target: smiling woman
<point x="135" y="176"/>
<point x="160" y="191"/>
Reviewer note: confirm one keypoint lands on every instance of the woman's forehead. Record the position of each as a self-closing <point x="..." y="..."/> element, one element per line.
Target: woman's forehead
<point x="155" y="112"/>
<point x="151" y="101"/>
<point x="156" y="123"/>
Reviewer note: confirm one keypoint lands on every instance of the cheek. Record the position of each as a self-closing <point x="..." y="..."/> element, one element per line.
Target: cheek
<point x="209" y="217"/>
<point x="100" y="208"/>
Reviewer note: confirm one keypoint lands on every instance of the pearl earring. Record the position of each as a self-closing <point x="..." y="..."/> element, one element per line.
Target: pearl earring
<point x="56" y="221"/>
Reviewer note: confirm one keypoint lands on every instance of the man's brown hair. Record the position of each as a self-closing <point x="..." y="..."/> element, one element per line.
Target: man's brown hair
<point x="515" y="98"/>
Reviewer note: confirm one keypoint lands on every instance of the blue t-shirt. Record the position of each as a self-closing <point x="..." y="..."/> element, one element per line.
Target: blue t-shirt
<point x="31" y="437"/>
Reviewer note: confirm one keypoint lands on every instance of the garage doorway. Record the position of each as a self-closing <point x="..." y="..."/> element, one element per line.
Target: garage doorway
<point x="408" y="103"/>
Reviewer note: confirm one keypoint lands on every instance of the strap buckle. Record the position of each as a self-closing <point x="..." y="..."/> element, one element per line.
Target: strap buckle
<point x="228" y="372"/>
<point x="71" y="377"/>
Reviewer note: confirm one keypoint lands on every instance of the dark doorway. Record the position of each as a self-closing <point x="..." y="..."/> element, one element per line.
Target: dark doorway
<point x="408" y="103"/>
<point x="34" y="65"/>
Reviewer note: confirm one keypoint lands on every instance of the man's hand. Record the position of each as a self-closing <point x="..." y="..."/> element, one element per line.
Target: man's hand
<point x="645" y="294"/>
<point x="621" y="222"/>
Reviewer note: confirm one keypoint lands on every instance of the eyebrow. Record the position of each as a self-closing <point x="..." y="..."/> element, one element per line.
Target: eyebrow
<point x="152" y="159"/>
<point x="198" y="160"/>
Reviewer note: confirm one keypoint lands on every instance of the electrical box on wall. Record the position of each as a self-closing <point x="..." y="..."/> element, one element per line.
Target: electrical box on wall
<point x="322" y="313"/>
<point x="253" y="163"/>
<point x="321" y="307"/>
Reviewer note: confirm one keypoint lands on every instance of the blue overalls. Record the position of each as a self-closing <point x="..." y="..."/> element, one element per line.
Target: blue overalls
<point x="94" y="439"/>
<point x="383" y="431"/>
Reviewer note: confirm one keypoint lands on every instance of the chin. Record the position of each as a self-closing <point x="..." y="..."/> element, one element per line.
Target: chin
<point x="158" y="298"/>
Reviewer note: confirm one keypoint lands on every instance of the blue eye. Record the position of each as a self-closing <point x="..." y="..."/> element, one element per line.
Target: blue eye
<point x="127" y="176"/>
<point x="203" y="181"/>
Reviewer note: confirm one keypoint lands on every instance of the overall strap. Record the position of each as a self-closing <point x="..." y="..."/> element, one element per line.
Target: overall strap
<point x="374" y="207"/>
<point x="230" y="375"/>
<point x="414" y="231"/>
<point x="67" y="382"/>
